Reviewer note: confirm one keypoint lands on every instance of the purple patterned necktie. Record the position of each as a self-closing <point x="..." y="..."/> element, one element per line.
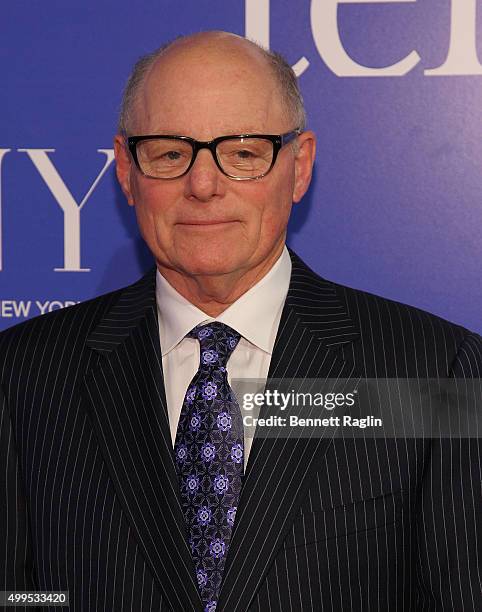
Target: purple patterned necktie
<point x="209" y="452"/>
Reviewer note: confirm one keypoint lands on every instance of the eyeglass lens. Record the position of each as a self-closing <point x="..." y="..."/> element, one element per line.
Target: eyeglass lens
<point x="238" y="157"/>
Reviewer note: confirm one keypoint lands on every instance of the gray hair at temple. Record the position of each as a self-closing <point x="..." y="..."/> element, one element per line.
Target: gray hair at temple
<point x="282" y="71"/>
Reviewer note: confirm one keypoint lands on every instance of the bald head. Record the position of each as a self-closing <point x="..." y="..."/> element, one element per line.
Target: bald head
<point x="213" y="45"/>
<point x="202" y="55"/>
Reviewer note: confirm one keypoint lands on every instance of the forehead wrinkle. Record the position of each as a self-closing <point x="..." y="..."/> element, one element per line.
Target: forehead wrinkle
<point x="236" y="112"/>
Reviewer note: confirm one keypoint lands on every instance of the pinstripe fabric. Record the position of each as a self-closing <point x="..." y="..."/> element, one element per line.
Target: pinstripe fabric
<point x="90" y="491"/>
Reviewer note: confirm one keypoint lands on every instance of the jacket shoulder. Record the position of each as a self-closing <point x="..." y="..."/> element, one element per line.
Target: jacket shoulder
<point x="431" y="341"/>
<point x="379" y="309"/>
<point x="66" y="329"/>
<point x="85" y="315"/>
<point x="393" y="336"/>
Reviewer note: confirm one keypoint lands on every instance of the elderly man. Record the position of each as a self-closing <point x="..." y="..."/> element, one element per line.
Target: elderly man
<point x="129" y="479"/>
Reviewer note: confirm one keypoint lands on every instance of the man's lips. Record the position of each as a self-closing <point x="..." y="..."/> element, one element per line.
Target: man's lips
<point x="208" y="222"/>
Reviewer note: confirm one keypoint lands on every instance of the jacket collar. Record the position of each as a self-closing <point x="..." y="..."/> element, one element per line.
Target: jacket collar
<point x="317" y="303"/>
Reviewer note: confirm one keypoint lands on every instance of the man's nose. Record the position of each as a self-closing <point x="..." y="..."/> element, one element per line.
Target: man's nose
<point x="204" y="179"/>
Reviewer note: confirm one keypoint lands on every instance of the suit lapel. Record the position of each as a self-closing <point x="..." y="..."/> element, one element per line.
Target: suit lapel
<point x="314" y="324"/>
<point x="126" y="399"/>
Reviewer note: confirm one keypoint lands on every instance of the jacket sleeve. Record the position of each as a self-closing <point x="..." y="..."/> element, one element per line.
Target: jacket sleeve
<point x="16" y="559"/>
<point x="449" y="512"/>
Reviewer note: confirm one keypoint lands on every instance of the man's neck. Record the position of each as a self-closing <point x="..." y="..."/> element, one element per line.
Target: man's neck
<point x="214" y="294"/>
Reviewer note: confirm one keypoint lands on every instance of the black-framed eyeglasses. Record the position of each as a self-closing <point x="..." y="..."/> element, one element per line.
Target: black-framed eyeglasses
<point x="241" y="157"/>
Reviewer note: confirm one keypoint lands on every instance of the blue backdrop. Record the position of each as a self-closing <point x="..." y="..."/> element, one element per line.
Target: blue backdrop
<point x="393" y="90"/>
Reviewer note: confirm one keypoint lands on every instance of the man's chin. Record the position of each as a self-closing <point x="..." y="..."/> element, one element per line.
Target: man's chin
<point x="210" y="259"/>
<point x="210" y="265"/>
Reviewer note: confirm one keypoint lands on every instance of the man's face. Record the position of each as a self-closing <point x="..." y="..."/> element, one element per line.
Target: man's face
<point x="205" y="223"/>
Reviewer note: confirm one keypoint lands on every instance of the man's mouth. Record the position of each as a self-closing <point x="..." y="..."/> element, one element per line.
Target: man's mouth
<point x="207" y="222"/>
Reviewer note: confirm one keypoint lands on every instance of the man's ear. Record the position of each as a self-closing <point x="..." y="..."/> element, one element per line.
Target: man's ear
<point x="123" y="166"/>
<point x="304" y="159"/>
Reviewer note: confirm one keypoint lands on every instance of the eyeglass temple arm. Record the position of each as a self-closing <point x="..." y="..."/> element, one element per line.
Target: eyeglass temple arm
<point x="286" y="138"/>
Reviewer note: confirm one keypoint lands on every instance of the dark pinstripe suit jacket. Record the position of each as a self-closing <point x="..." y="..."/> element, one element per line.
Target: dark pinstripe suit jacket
<point x="91" y="503"/>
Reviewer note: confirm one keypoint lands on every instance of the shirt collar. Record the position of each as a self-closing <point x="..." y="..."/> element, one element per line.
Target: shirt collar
<point x="253" y="315"/>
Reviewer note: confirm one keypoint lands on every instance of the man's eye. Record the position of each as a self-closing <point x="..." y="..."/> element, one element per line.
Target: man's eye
<point x="172" y="155"/>
<point x="245" y="154"/>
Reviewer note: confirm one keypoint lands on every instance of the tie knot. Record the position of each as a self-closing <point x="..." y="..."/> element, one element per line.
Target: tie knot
<point x="217" y="342"/>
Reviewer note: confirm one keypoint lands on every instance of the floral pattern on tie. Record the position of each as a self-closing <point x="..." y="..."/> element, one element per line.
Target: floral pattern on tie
<point x="209" y="454"/>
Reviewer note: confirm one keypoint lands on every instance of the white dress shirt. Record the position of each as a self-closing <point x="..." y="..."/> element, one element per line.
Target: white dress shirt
<point x="255" y="316"/>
